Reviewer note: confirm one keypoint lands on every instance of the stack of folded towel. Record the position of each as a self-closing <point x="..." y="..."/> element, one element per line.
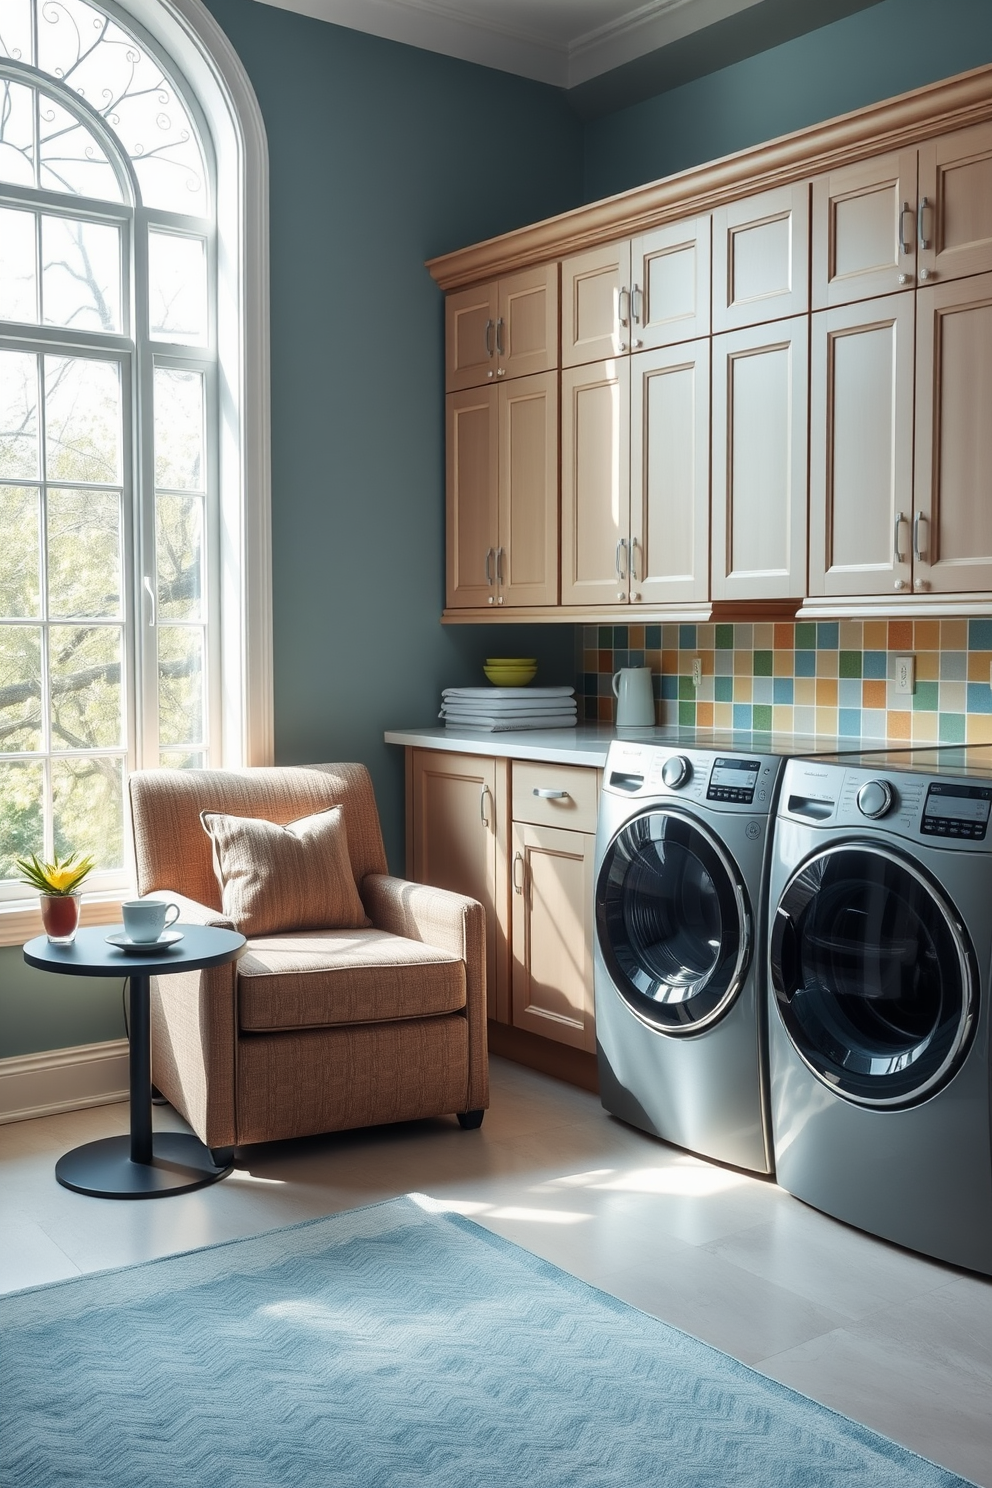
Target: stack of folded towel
<point x="501" y="709"/>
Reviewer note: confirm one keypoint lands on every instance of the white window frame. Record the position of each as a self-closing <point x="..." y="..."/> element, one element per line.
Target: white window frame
<point x="188" y="38"/>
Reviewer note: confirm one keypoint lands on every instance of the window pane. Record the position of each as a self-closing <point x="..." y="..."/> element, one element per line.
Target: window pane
<point x="22" y="819"/>
<point x="20" y="688"/>
<point x="18" y="286"/>
<point x="83" y="419"/>
<point x="179" y="548"/>
<point x="178" y="429"/>
<point x="20" y="554"/>
<point x="182" y="759"/>
<point x="71" y="158"/>
<point x="81" y="274"/>
<point x="15" y="32"/>
<point x="84" y="553"/>
<point x="85" y="679"/>
<point x="177" y="288"/>
<point x="18" y="415"/>
<point x="16" y="133"/>
<point x="180" y="685"/>
<point x="89" y="808"/>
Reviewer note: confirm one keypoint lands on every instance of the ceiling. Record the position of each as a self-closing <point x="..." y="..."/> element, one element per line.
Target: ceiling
<point x="573" y="43"/>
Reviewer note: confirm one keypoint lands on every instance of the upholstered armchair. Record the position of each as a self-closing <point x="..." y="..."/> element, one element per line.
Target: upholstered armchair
<point x="314" y="1030"/>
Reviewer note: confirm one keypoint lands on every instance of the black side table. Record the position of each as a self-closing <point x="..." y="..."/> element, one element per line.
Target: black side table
<point x="141" y="1166"/>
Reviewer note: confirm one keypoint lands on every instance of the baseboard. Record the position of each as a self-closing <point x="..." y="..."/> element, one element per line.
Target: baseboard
<point x="63" y="1080"/>
<point x="573" y="1065"/>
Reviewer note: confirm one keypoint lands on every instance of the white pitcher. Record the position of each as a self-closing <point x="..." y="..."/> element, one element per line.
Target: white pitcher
<point x="635" y="698"/>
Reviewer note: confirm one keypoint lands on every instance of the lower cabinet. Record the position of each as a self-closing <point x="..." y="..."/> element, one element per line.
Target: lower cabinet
<point x="519" y="837"/>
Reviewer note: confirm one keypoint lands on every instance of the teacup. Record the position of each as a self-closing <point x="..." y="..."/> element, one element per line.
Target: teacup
<point x="146" y="919"/>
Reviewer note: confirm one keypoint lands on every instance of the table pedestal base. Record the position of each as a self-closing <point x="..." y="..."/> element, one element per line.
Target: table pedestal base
<point x="106" y="1171"/>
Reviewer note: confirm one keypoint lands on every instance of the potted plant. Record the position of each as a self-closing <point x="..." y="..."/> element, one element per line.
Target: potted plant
<point x="58" y="883"/>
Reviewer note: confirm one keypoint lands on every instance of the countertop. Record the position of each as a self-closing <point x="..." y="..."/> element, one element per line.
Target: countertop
<point x="589" y="743"/>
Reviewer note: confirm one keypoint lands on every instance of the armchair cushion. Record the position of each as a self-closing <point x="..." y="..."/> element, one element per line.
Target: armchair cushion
<point x="276" y="878"/>
<point x="330" y="978"/>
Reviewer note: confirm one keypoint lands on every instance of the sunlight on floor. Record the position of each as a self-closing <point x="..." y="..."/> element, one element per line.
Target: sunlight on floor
<point x="687" y="1177"/>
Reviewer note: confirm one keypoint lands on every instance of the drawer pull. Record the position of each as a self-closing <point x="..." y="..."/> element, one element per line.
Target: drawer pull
<point x="550" y="795"/>
<point x="518" y="888"/>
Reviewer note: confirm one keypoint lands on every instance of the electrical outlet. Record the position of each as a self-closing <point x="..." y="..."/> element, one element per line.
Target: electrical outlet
<point x="905" y="674"/>
<point x="697" y="670"/>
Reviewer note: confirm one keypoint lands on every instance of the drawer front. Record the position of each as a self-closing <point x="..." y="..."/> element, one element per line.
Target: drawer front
<point x="576" y="809"/>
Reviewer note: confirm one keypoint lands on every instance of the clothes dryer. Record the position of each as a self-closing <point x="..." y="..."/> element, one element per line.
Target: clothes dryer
<point x="880" y="946"/>
<point x="681" y="856"/>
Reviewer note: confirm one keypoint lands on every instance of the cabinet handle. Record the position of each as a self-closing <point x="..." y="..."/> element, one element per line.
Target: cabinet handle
<point x="918" y="521"/>
<point x="490" y="555"/>
<point x="900" y="518"/>
<point x="499" y="567"/>
<point x="621" y="558"/>
<point x="499" y="336"/>
<point x="489" y="337"/>
<point x="924" y="203"/>
<point x="634" y="292"/>
<point x="633" y="561"/>
<point x="623" y="295"/>
<point x="482" y="805"/>
<point x="905" y="246"/>
<point x="547" y="794"/>
<point x="518" y="888"/>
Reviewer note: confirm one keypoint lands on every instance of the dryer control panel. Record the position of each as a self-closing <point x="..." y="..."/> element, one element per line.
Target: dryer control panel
<point x="897" y="802"/>
<point x="718" y="779"/>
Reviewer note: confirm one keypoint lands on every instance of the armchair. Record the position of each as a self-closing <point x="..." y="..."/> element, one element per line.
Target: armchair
<point x="316" y="1030"/>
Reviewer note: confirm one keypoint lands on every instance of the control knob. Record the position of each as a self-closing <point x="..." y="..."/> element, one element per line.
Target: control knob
<point x="676" y="771"/>
<point x="875" y="798"/>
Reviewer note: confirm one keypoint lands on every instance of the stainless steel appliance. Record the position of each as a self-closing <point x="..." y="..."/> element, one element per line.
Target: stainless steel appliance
<point x="880" y="945"/>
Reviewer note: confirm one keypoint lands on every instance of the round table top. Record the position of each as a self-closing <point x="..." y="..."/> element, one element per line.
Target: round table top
<point x="91" y="955"/>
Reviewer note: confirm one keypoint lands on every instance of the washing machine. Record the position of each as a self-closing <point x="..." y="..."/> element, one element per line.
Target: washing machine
<point x="681" y="854"/>
<point x="879" y="946"/>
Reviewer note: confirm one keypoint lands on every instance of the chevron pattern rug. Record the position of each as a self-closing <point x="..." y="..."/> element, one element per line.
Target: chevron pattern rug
<point x="390" y="1347"/>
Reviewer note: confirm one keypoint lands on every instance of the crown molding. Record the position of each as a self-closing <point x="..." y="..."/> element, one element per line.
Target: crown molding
<point x="653" y="25"/>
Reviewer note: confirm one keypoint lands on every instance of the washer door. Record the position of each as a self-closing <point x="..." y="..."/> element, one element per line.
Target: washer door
<point x="873" y="975"/>
<point x="673" y="922"/>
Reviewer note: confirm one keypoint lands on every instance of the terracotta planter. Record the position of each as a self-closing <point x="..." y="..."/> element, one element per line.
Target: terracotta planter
<point x="60" y="917"/>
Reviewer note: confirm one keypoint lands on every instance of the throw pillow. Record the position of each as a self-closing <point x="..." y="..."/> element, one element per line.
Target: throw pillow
<point x="275" y="879"/>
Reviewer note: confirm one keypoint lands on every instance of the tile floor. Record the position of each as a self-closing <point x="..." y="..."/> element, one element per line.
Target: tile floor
<point x="899" y="1342"/>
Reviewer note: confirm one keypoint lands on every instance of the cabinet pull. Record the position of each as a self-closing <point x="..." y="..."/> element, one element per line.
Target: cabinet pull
<point x="905" y="246"/>
<point x="924" y="203"/>
<point x="624" y="295"/>
<point x="490" y="555"/>
<point x="499" y="336"/>
<point x="621" y="558"/>
<point x="633" y="563"/>
<point x="634" y="292"/>
<point x="489" y="337"/>
<point x="918" y="521"/>
<point x="546" y="794"/>
<point x="518" y="888"/>
<point x="900" y="518"/>
<point x="482" y="805"/>
<point x="499" y="567"/>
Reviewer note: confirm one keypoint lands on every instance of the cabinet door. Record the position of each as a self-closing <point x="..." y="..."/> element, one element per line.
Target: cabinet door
<point x="470" y="337"/>
<point x="760" y="423"/>
<point x="670" y="284"/>
<point x="456" y="803"/>
<point x="670" y="473"/>
<point x="955" y="222"/>
<point x="761" y="258"/>
<point x="861" y="447"/>
<point x="953" y="533"/>
<point x="471" y="455"/>
<point x="527" y="563"/>
<point x="527" y="322"/>
<point x="595" y="292"/>
<point x="595" y="483"/>
<point x="864" y="229"/>
<point x="552" y="991"/>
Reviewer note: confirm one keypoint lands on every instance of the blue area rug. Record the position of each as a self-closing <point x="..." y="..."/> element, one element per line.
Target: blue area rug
<point x="388" y="1347"/>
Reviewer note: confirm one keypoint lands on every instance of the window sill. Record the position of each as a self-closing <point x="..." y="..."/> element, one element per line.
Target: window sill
<point x="22" y="921"/>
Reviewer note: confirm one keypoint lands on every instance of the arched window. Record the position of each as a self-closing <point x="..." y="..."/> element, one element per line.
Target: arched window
<point x="133" y="378"/>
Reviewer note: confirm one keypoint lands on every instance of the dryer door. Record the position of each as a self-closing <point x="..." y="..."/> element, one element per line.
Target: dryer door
<point x="673" y="921"/>
<point x="873" y="975"/>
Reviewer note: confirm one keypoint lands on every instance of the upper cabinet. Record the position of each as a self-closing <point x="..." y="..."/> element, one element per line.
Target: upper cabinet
<point x="761" y="258"/>
<point x="638" y="294"/>
<point x="506" y="328"/>
<point x="913" y="216"/>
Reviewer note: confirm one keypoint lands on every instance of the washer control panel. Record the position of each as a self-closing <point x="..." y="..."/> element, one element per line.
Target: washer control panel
<point x="726" y="782"/>
<point x="733" y="779"/>
<point x="960" y="811"/>
<point x="824" y="793"/>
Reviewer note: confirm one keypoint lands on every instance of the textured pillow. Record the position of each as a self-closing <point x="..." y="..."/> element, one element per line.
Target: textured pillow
<point x="275" y="879"/>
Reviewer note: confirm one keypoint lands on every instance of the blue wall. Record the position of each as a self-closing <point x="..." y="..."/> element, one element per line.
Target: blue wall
<point x="875" y="54"/>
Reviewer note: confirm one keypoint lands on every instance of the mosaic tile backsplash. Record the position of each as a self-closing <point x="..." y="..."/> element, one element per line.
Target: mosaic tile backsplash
<point x="827" y="677"/>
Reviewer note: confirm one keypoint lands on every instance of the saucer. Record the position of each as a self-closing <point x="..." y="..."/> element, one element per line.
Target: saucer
<point x="145" y="947"/>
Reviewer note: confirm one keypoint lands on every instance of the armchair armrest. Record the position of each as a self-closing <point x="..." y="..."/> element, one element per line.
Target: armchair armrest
<point x="192" y="912"/>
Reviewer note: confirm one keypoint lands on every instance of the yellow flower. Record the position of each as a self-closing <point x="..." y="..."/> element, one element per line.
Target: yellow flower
<point x="60" y="876"/>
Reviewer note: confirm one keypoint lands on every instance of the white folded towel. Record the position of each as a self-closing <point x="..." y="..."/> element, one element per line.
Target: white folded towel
<point x="509" y="706"/>
<point x="507" y="725"/>
<point x="489" y="693"/>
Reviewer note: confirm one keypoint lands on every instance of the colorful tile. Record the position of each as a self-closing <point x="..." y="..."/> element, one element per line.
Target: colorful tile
<point x="723" y="689"/>
<point x="826" y="692"/>
<point x="900" y="725"/>
<point x="927" y="666"/>
<point x="850" y="664"/>
<point x="900" y="635"/>
<point x="926" y="635"/>
<point x="805" y="636"/>
<point x="761" y="717"/>
<point x="783" y="663"/>
<point x="762" y="664"/>
<point x="951" y="728"/>
<point x="874" y="663"/>
<point x="725" y="638"/>
<point x="873" y="694"/>
<point x="687" y="714"/>
<point x="783" y="690"/>
<point x="805" y="662"/>
<point x="953" y="666"/>
<point x="980" y="635"/>
<point x="827" y="635"/>
<point x="925" y="698"/>
<point x="954" y="635"/>
<point x="742" y="716"/>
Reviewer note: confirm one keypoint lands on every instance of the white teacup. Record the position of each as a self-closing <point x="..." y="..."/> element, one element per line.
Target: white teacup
<point x="146" y="919"/>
